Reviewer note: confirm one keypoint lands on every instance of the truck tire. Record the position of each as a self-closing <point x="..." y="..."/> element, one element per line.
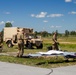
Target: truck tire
<point x="9" y="44"/>
<point x="29" y="45"/>
<point x="40" y="47"/>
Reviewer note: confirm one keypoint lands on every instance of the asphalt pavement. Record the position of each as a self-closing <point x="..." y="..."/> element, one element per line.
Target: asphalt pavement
<point x="18" y="69"/>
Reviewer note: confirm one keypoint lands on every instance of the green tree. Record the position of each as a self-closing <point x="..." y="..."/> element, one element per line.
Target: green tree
<point x="8" y="24"/>
<point x="66" y="32"/>
<point x="44" y="33"/>
<point x="72" y="33"/>
<point x="56" y="31"/>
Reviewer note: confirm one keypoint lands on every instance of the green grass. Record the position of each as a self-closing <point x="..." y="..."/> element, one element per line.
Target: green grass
<point x="44" y="62"/>
<point x="68" y="47"/>
<point x="47" y="62"/>
<point x="71" y="39"/>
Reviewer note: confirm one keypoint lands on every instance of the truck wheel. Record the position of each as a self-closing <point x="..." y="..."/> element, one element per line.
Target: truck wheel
<point x="29" y="45"/>
<point x="40" y="47"/>
<point x="9" y="45"/>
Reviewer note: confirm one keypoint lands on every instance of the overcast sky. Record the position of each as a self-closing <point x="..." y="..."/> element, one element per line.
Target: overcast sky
<point x="48" y="15"/>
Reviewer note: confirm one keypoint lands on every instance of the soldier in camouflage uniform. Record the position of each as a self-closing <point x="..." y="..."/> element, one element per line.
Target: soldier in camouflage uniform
<point x="55" y="42"/>
<point x="1" y="42"/>
<point x="20" y="39"/>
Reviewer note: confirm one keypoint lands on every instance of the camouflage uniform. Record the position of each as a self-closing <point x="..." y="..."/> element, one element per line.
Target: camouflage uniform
<point x="55" y="43"/>
<point x="1" y="43"/>
<point x="20" y="39"/>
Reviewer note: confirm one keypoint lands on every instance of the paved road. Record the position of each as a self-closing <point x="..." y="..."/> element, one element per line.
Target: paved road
<point x="17" y="69"/>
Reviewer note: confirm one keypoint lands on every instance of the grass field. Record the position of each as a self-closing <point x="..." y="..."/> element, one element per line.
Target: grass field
<point x="67" y="43"/>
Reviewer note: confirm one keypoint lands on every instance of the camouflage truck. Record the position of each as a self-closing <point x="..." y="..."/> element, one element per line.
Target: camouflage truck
<point x="10" y="37"/>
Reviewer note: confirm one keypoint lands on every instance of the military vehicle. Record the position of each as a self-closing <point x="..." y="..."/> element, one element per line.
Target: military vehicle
<point x="30" y="40"/>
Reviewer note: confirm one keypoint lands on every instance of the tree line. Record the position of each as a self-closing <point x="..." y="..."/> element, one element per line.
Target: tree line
<point x="45" y="33"/>
<point x="68" y="33"/>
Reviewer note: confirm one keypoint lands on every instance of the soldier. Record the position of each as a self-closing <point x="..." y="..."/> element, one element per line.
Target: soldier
<point x="55" y="42"/>
<point x="20" y="39"/>
<point x="1" y="42"/>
